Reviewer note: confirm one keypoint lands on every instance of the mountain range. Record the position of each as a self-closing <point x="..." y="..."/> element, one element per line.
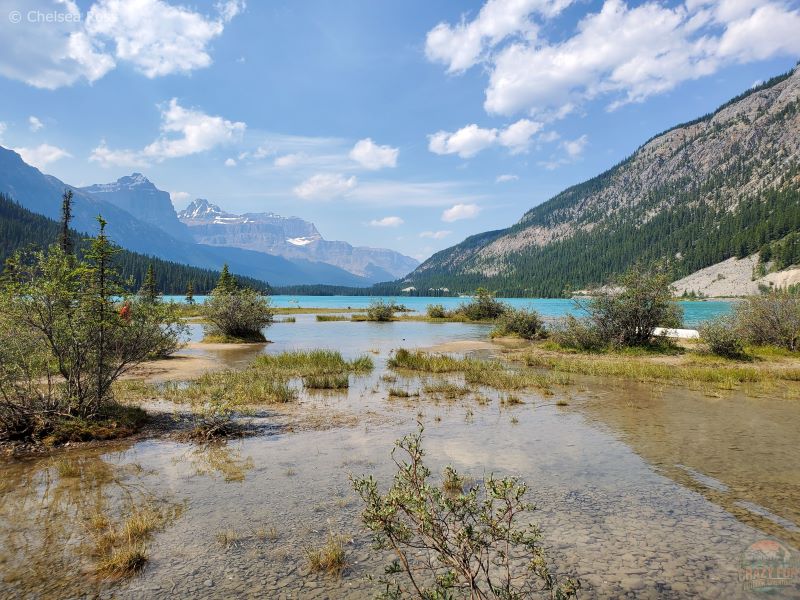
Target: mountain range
<point x="142" y="218"/>
<point x="725" y="185"/>
<point x="290" y="237"/>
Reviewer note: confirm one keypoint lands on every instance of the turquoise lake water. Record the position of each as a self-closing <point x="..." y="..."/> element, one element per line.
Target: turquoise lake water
<point x="694" y="313"/>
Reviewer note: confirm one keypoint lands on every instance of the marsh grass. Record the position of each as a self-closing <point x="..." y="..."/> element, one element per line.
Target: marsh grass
<point x="330" y="558"/>
<point x="489" y="373"/>
<point x="446" y="389"/>
<point x="396" y="392"/>
<point x="324" y="318"/>
<point x="304" y="363"/>
<point x="327" y="382"/>
<point x="122" y="562"/>
<point x="228" y="537"/>
<point x="696" y="368"/>
<point x="120" y="551"/>
<point x="239" y="388"/>
<point x="510" y="400"/>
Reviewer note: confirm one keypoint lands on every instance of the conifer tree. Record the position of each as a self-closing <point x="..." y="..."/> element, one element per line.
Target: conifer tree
<point x="227" y="282"/>
<point x="149" y="290"/>
<point x="64" y="237"/>
<point x="190" y="292"/>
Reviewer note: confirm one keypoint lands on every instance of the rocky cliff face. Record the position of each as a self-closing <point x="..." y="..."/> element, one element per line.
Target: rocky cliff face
<point x="290" y="237"/>
<point x="652" y="202"/>
<point x="137" y="195"/>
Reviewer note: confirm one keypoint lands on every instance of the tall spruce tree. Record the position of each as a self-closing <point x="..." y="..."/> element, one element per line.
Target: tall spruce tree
<point x="190" y="292"/>
<point x="149" y="290"/>
<point x="227" y="283"/>
<point x="64" y="237"/>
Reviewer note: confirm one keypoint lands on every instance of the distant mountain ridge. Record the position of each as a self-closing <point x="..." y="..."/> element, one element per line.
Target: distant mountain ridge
<point x="724" y="185"/>
<point x="290" y="237"/>
<point x="41" y="194"/>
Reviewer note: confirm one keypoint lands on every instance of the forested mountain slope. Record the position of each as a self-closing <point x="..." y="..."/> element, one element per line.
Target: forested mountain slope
<point x="21" y="228"/>
<point x="726" y="184"/>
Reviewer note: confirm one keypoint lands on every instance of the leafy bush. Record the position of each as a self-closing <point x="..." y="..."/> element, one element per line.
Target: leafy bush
<point x="628" y="313"/>
<point x="451" y="542"/>
<point x="380" y="310"/>
<point x="236" y="313"/>
<point x="579" y="334"/>
<point x="723" y="337"/>
<point x="68" y="337"/>
<point x="436" y="311"/>
<point x="483" y="307"/>
<point x="625" y="313"/>
<point x="770" y="319"/>
<point x="519" y="322"/>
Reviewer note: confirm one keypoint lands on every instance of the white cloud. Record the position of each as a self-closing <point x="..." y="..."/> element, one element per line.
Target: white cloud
<point x="469" y="140"/>
<point x="196" y="132"/>
<point x="179" y="197"/>
<point x="460" y="211"/>
<point x="409" y="193"/>
<point x="387" y="222"/>
<point x="625" y="53"/>
<point x="517" y="136"/>
<point x="549" y="136"/>
<point x="3" y="128"/>
<point x="155" y="37"/>
<point x="461" y="46"/>
<point x="575" y="148"/>
<point x="435" y="235"/>
<point x="183" y="132"/>
<point x="230" y="162"/>
<point x="325" y="186"/>
<point x="42" y="155"/>
<point x="372" y="156"/>
<point x="116" y="158"/>
<point x="466" y="142"/>
<point x="34" y="124"/>
<point x="289" y="160"/>
<point x="506" y="178"/>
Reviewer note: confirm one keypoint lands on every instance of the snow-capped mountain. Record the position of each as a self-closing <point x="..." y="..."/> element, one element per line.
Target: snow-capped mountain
<point x="290" y="237"/>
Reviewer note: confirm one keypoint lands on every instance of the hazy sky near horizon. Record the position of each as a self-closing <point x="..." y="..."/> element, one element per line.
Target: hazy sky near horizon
<point x="406" y="124"/>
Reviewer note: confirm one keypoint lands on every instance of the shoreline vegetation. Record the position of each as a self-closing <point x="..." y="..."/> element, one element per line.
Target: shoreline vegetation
<point x="79" y="375"/>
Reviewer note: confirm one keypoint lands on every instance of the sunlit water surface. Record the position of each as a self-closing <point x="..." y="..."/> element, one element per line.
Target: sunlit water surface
<point x="642" y="491"/>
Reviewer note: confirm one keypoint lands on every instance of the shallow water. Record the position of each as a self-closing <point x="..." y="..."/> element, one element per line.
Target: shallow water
<point x="694" y="313"/>
<point x="641" y="490"/>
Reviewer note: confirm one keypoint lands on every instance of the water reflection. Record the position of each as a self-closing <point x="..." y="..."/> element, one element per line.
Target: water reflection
<point x="738" y="451"/>
<point x="57" y="516"/>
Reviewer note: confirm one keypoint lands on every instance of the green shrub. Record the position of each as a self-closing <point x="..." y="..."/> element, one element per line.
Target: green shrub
<point x="723" y="337"/>
<point x="237" y="314"/>
<point x="436" y="311"/>
<point x="380" y="310"/>
<point x="68" y="331"/>
<point x="456" y="540"/>
<point x="628" y="312"/>
<point x="771" y="319"/>
<point x="483" y="307"/>
<point x="579" y="334"/>
<point x="519" y="322"/>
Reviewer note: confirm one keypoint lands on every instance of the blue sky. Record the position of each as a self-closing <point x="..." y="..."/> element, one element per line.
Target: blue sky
<point x="407" y="125"/>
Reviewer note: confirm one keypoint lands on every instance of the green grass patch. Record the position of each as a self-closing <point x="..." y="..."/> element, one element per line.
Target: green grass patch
<point x="489" y="373"/>
<point x="325" y="318"/>
<point x="724" y="373"/>
<point x="313" y="362"/>
<point x="327" y="382"/>
<point x="446" y="388"/>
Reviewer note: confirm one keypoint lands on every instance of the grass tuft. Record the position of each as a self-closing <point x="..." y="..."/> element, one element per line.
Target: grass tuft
<point x="330" y="558"/>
